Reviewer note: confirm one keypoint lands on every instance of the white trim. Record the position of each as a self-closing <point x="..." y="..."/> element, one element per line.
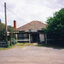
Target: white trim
<point x="23" y="40"/>
<point x="31" y="31"/>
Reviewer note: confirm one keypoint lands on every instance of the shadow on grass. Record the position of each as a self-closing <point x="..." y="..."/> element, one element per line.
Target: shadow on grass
<point x="50" y="45"/>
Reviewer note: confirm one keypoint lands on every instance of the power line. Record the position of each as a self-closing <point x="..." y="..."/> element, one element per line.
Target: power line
<point x="17" y="15"/>
<point x="13" y="13"/>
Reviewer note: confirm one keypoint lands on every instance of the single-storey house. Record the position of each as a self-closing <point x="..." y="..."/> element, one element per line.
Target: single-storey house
<point x="31" y="32"/>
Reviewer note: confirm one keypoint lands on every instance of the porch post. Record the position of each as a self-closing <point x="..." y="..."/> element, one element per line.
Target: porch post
<point x="46" y="38"/>
<point x="29" y="36"/>
<point x="29" y="39"/>
<point x="16" y="36"/>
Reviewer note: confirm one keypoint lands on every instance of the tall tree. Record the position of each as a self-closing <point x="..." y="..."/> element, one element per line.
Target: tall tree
<point x="55" y="24"/>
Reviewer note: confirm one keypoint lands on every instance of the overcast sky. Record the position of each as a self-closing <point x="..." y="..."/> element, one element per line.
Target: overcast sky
<point x="24" y="11"/>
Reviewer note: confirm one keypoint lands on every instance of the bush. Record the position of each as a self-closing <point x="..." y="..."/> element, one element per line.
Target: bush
<point x="55" y="25"/>
<point x="13" y="41"/>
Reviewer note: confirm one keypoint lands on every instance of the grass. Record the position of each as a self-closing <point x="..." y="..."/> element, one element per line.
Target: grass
<point x="5" y="48"/>
<point x="18" y="44"/>
<point x="55" y="46"/>
<point x="23" y="44"/>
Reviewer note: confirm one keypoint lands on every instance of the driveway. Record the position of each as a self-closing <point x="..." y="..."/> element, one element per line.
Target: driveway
<point x="32" y="55"/>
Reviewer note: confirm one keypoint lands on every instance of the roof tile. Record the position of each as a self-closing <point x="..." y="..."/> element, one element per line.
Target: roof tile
<point x="34" y="25"/>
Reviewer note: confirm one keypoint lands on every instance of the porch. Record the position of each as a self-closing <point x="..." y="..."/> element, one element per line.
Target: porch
<point x="32" y="36"/>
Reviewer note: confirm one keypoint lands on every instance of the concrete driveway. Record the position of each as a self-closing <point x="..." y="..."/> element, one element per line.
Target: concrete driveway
<point x="32" y="55"/>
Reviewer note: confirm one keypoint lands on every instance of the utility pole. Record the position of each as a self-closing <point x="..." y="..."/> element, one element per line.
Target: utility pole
<point x="5" y="21"/>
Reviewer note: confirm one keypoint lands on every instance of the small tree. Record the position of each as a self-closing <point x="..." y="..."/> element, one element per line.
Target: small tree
<point x="11" y="30"/>
<point x="2" y="30"/>
<point x="2" y="26"/>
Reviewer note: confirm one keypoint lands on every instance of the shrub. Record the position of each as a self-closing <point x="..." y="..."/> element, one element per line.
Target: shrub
<point x="13" y="41"/>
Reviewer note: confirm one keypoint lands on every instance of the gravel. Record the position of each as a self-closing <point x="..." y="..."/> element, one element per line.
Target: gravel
<point x="32" y="55"/>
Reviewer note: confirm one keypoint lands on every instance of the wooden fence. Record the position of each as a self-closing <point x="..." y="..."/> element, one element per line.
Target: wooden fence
<point x="3" y="44"/>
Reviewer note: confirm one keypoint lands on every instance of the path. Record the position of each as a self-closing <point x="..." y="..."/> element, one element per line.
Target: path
<point x="32" y="55"/>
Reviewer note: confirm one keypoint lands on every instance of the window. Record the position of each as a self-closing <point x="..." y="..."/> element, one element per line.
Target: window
<point x="25" y="35"/>
<point x="20" y="35"/>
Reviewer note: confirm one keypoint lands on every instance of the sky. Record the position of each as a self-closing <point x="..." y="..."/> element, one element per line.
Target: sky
<point x="25" y="11"/>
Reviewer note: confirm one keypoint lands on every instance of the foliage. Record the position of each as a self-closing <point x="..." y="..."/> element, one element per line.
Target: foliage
<point x="0" y="20"/>
<point x="55" y="24"/>
<point x="10" y="29"/>
<point x="44" y="30"/>
<point x="13" y="41"/>
<point x="2" y="36"/>
<point x="6" y="45"/>
<point x="2" y="31"/>
<point x="2" y="27"/>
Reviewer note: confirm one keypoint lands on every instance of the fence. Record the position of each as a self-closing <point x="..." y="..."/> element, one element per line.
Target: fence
<point x="53" y="39"/>
<point x="3" y="44"/>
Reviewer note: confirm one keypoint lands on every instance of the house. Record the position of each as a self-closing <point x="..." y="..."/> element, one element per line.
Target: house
<point x="30" y="32"/>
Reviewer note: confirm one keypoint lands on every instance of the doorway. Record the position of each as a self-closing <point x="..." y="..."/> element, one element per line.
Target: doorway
<point x="35" y="37"/>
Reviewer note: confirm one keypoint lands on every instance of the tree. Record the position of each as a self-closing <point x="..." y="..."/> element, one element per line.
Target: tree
<point x="2" y="26"/>
<point x="55" y="24"/>
<point x="0" y="21"/>
<point x="10" y="29"/>
<point x="2" y="30"/>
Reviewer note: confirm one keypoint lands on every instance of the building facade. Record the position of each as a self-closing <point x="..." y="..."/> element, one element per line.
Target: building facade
<point x="31" y="32"/>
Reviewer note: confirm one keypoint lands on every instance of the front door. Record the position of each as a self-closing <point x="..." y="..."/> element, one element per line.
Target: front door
<point x="35" y="37"/>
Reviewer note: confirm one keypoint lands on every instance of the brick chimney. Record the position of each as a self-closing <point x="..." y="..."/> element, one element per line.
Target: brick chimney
<point x="14" y="24"/>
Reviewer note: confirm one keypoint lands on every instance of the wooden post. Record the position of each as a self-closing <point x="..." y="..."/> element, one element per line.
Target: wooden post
<point x="29" y="36"/>
<point x="5" y="20"/>
<point x="29" y="39"/>
<point x="46" y="38"/>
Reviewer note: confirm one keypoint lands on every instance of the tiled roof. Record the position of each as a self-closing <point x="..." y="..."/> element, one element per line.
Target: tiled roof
<point x="34" y="25"/>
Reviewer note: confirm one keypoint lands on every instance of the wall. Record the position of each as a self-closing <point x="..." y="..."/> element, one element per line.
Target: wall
<point x="41" y="37"/>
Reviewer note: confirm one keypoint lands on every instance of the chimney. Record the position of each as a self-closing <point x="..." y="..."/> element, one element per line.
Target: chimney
<point x="14" y="24"/>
